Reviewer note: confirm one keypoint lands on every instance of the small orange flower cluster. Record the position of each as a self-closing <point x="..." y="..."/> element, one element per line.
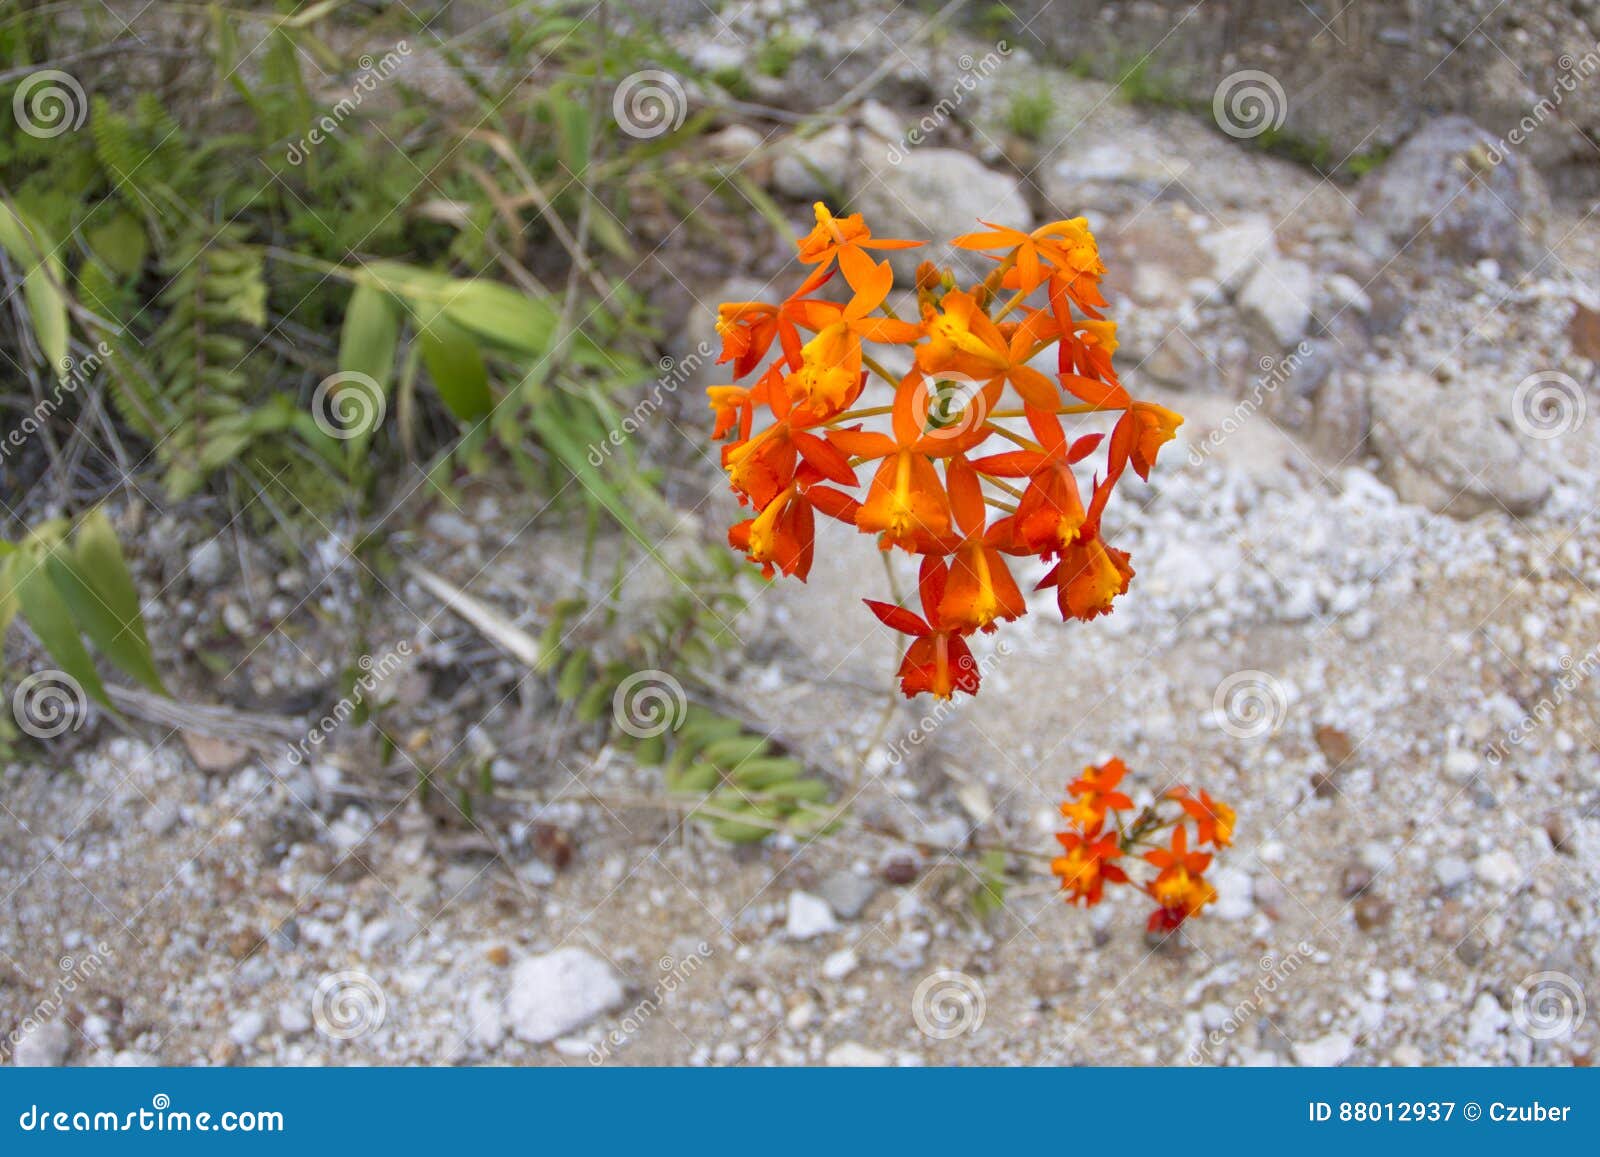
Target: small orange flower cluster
<point x="928" y="494"/>
<point x="1179" y="887"/>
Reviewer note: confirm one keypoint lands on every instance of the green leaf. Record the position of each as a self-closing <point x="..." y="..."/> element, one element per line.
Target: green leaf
<point x="42" y="278"/>
<point x="51" y="619"/>
<point x="500" y="314"/>
<point x="94" y="579"/>
<point x="370" y="335"/>
<point x="457" y="369"/>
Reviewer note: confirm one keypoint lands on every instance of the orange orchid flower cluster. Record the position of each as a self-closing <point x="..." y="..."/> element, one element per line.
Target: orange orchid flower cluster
<point x="934" y="491"/>
<point x="1086" y="865"/>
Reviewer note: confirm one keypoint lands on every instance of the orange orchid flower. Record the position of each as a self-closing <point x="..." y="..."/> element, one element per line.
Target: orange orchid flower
<point x="795" y="438"/>
<point x="1181" y="886"/>
<point x="938" y="660"/>
<point x="1085" y="866"/>
<point x="981" y="589"/>
<point x="1050" y="515"/>
<point x="963" y="340"/>
<point x="846" y="240"/>
<point x="1095" y="793"/>
<point x="748" y="328"/>
<point x="1213" y="818"/>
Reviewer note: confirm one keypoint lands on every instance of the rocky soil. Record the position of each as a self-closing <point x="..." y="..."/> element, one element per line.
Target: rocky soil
<point x="1365" y="612"/>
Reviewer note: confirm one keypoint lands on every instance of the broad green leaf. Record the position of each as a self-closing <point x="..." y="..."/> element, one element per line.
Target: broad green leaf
<point x="457" y="369"/>
<point x="93" y="578"/>
<point x="501" y="314"/>
<point x="51" y="619"/>
<point x="370" y="335"/>
<point x="42" y="279"/>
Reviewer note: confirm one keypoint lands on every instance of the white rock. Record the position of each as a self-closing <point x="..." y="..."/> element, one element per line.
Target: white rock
<point x="1238" y="249"/>
<point x="1452" y="871"/>
<point x="206" y="563"/>
<point x="1487" y="1022"/>
<point x="293" y="1018"/>
<point x="1277" y="297"/>
<point x="840" y="964"/>
<point x="809" y="916"/>
<point x="1235" y="894"/>
<point x="553" y="994"/>
<point x="854" y="1055"/>
<point x="880" y="120"/>
<point x="933" y="195"/>
<point x="46" y="1047"/>
<point x="1460" y="764"/>
<point x="246" y="1027"/>
<point x="809" y="169"/>
<point x="1324" y="1052"/>
<point x="1498" y="869"/>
